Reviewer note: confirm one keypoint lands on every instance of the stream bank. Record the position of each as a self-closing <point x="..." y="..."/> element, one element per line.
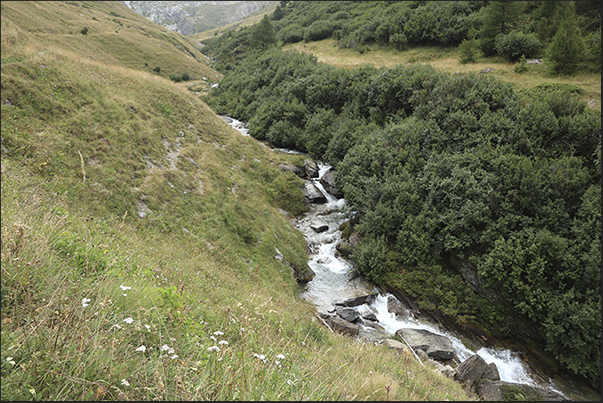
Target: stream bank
<point x="334" y="281"/>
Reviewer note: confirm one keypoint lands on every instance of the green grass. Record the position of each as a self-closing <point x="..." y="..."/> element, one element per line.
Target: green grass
<point x="89" y="137"/>
<point x="447" y="59"/>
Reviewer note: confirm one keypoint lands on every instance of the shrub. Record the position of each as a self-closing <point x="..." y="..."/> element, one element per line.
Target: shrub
<point x="469" y="50"/>
<point x="84" y="30"/>
<point x="291" y="33"/>
<point x="522" y="66"/>
<point x="157" y="69"/>
<point x="186" y="76"/>
<point x="513" y="45"/>
<point x="319" y="29"/>
<point x="175" y="77"/>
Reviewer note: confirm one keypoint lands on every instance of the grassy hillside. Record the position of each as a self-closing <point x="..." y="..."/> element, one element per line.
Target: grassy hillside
<point x="139" y="232"/>
<point x="447" y="60"/>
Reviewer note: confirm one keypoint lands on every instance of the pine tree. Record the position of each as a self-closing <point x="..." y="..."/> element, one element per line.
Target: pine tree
<point x="263" y="34"/>
<point x="567" y="47"/>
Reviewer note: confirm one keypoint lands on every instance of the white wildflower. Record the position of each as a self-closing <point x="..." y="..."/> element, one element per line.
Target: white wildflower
<point x="124" y="288"/>
<point x="141" y="348"/>
<point x="174" y="356"/>
<point x="10" y="360"/>
<point x="125" y="382"/>
<point x="214" y="348"/>
<point x="223" y="342"/>
<point x="213" y="338"/>
<point x="289" y="382"/>
<point x="218" y="333"/>
<point x="117" y="326"/>
<point x="85" y="302"/>
<point x="128" y="320"/>
<point x="280" y="357"/>
<point x="148" y="327"/>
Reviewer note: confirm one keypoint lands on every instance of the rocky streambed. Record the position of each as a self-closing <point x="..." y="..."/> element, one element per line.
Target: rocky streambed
<point x="348" y="304"/>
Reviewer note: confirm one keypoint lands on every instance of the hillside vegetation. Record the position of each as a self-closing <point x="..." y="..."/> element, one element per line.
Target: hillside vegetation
<point x="139" y="231"/>
<point x="479" y="199"/>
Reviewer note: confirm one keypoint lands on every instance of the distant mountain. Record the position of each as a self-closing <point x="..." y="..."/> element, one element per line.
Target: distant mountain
<point x="190" y="17"/>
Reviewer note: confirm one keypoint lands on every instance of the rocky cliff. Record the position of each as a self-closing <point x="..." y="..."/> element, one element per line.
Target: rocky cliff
<point x="190" y="17"/>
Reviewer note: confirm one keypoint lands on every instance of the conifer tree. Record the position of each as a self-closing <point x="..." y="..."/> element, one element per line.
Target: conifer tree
<point x="567" y="47"/>
<point x="263" y="34"/>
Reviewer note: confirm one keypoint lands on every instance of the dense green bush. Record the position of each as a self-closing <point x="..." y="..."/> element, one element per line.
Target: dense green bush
<point x="513" y="45"/>
<point x="175" y="77"/>
<point x="319" y="29"/>
<point x="441" y="168"/>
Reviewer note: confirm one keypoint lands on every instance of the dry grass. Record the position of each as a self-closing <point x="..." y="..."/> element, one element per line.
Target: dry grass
<point x="447" y="60"/>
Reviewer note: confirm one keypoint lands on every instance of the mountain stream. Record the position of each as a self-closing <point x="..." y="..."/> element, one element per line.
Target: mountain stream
<point x="333" y="283"/>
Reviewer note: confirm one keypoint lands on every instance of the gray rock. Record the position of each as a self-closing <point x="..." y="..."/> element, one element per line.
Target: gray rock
<point x="434" y="345"/>
<point x="394" y="344"/>
<point x="319" y="226"/>
<point x="313" y="194"/>
<point x="364" y="299"/>
<point x="342" y="326"/>
<point x="347" y="245"/>
<point x="372" y="335"/>
<point x="328" y="182"/>
<point x="491" y="373"/>
<point x="395" y="306"/>
<point x="349" y="314"/>
<point x="499" y="390"/>
<point x="311" y="168"/>
<point x="292" y="168"/>
<point x="534" y="61"/>
<point x="470" y="370"/>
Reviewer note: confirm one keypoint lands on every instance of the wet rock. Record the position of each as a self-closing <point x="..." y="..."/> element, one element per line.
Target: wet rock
<point x="311" y="168"/>
<point x="395" y="306"/>
<point x="349" y="314"/>
<point x="319" y="226"/>
<point x="499" y="390"/>
<point x="364" y="299"/>
<point x="470" y="370"/>
<point x="434" y="345"/>
<point x="491" y="372"/>
<point x="347" y="245"/>
<point x="313" y="194"/>
<point x="328" y="182"/>
<point x="370" y="316"/>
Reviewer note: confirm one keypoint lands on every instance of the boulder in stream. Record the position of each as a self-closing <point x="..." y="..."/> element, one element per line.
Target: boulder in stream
<point x="328" y="182"/>
<point x="313" y="194"/>
<point x="434" y="345"/>
<point x="470" y="370"/>
<point x="493" y="391"/>
<point x="318" y="226"/>
<point x="363" y="299"/>
<point x="311" y="168"/>
<point x="349" y="314"/>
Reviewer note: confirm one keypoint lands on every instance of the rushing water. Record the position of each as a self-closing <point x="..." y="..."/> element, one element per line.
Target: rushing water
<point x="333" y="283"/>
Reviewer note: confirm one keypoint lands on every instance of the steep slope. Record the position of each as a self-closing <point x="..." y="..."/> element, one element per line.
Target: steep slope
<point x="139" y="234"/>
